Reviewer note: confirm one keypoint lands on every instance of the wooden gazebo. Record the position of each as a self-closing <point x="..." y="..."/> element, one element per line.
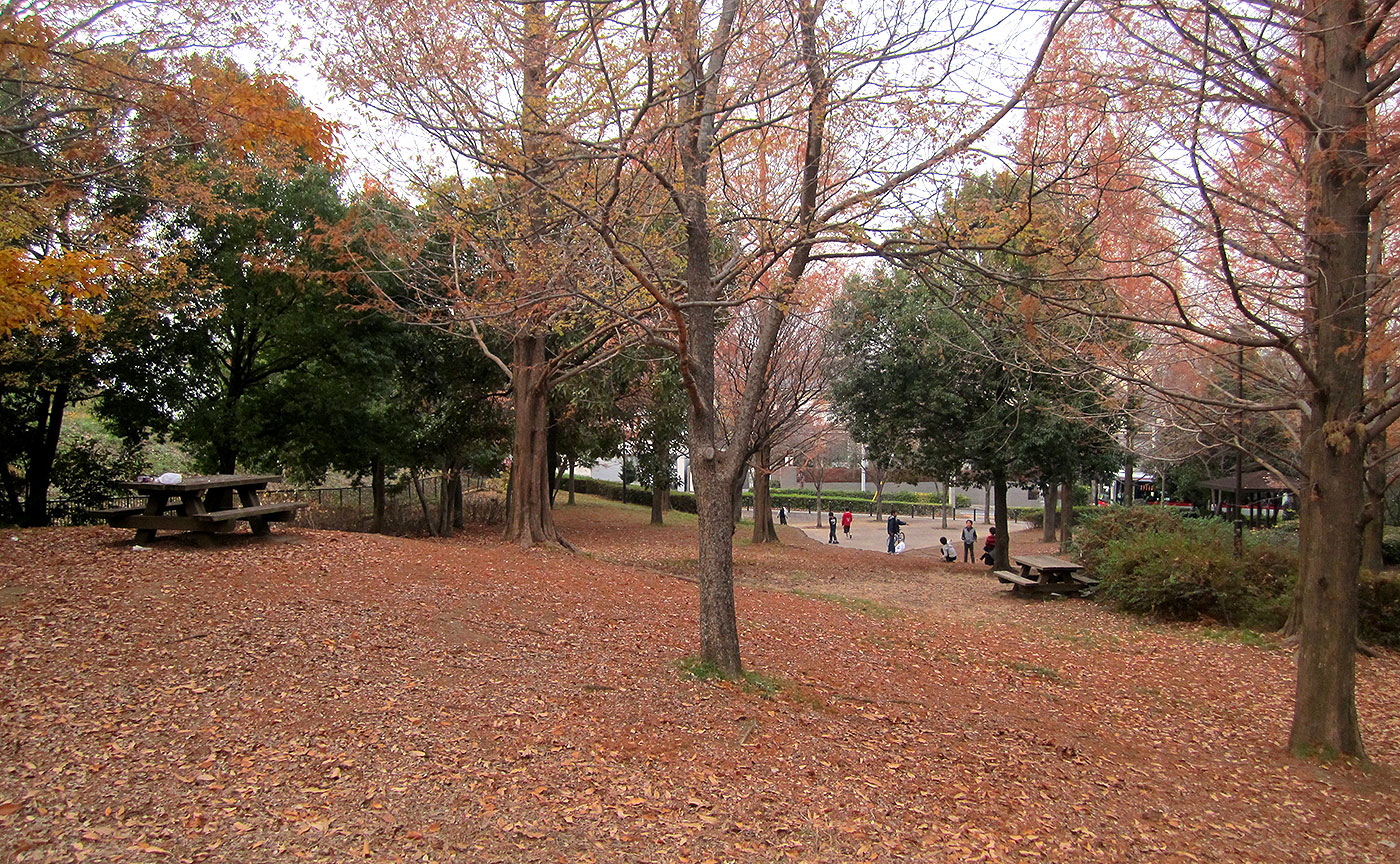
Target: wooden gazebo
<point x="1265" y="497"/>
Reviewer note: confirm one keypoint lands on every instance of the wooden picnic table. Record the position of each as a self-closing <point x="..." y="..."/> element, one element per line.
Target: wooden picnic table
<point x="205" y="505"/>
<point x="1046" y="573"/>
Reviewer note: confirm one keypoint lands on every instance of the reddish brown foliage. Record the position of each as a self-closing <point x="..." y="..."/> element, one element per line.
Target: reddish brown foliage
<point x="334" y="696"/>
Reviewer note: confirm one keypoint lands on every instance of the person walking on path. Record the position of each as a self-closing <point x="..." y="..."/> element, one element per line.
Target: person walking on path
<point x="782" y="514"/>
<point x="846" y="523"/>
<point x="892" y="528"/>
<point x="969" y="540"/>
<point x="831" y="521"/>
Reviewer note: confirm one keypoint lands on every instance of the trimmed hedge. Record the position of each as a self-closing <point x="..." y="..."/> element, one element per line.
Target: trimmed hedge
<point x="612" y="490"/>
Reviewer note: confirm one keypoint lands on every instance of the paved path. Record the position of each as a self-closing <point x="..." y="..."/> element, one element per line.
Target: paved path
<point x="921" y="533"/>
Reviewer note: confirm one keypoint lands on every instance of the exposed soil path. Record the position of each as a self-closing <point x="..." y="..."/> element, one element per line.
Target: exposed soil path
<point x="335" y="697"/>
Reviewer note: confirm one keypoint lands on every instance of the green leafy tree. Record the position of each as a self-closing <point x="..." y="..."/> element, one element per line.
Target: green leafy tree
<point x="242" y="301"/>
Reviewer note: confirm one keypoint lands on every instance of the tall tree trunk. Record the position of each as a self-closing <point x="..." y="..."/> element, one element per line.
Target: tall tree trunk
<point x="1002" y="553"/>
<point x="423" y="503"/>
<point x="42" y="452"/>
<point x="571" y="478"/>
<point x="1373" y="535"/>
<point x="719" y="628"/>
<point x="376" y="484"/>
<point x="1066" y="514"/>
<point x="1129" y="487"/>
<point x="660" y="486"/>
<point x="444" y="499"/>
<point x="554" y="467"/>
<point x="1331" y="515"/>
<point x="457" y="496"/>
<point x="529" y="520"/>
<point x="763" y="528"/>
<point x="1048" y="527"/>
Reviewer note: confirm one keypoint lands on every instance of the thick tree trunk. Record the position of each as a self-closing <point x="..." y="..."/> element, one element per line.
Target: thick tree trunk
<point x="719" y="629"/>
<point x="763" y="528"/>
<point x="1002" y="554"/>
<point x="1331" y="515"/>
<point x="529" y="520"/>
<point x="376" y="485"/>
<point x="1048" y="527"/>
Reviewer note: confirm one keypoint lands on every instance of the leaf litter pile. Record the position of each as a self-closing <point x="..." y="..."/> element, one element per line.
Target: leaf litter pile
<point x="333" y="697"/>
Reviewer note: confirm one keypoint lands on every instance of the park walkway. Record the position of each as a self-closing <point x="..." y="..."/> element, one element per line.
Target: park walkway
<point x="921" y="533"/>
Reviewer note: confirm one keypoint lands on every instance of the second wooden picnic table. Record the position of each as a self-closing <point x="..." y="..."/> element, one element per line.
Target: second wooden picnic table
<point x="1045" y="573"/>
<point x="205" y="506"/>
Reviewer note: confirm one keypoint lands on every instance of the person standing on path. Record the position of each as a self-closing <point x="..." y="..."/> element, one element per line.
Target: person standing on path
<point x="846" y="523"/>
<point x="892" y="527"/>
<point x="782" y="514"/>
<point x="831" y="521"/>
<point x="969" y="540"/>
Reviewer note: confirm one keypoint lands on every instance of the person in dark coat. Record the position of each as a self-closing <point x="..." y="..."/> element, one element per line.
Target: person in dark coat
<point x="892" y="526"/>
<point x="831" y="521"/>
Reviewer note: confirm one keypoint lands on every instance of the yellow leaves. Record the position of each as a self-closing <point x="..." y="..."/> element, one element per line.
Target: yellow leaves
<point x="34" y="291"/>
<point x="1338" y="436"/>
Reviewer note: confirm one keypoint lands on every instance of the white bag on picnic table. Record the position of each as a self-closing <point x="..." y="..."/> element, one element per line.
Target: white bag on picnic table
<point x="169" y="477"/>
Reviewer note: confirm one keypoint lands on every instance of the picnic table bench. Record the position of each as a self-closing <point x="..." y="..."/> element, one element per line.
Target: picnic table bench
<point x="1045" y="574"/>
<point x="205" y="505"/>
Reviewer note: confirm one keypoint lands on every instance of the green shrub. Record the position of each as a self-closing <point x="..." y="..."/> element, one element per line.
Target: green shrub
<point x="86" y="471"/>
<point x="960" y="501"/>
<point x="1390" y="547"/>
<point x="1379" y="598"/>
<point x="1032" y="516"/>
<point x="1157" y="562"/>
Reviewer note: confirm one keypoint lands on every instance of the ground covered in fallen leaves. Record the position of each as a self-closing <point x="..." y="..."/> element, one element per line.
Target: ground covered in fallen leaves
<point x="334" y="697"/>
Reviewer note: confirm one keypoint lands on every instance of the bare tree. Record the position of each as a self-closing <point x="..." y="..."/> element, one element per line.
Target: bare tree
<point x="1227" y="163"/>
<point x="714" y="149"/>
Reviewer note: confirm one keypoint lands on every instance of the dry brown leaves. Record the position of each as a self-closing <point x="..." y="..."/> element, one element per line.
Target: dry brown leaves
<point x="336" y="697"/>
